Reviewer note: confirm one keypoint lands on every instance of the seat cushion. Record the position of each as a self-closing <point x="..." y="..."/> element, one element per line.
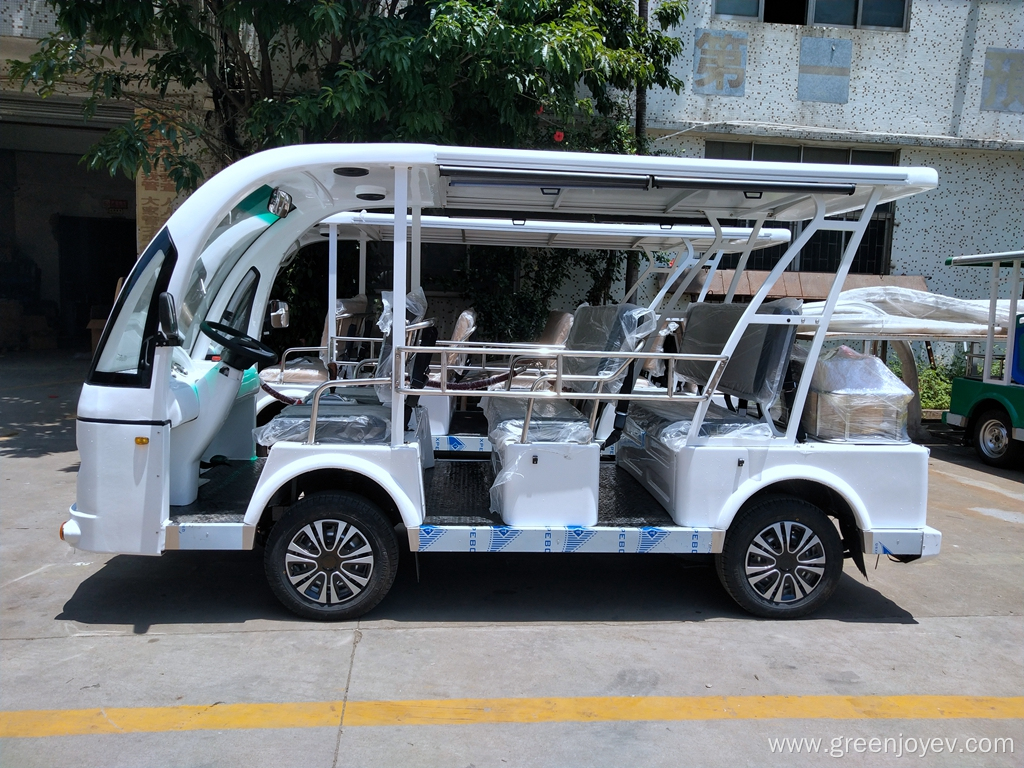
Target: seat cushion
<point x="552" y="421"/>
<point x="669" y="423"/>
<point x="357" y="423"/>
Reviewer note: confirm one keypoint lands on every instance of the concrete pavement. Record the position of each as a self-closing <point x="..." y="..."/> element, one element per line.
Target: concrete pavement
<point x="80" y="631"/>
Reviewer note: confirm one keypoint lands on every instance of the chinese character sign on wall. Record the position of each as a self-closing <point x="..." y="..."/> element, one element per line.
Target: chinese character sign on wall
<point x="720" y="62"/>
<point x="1002" y="89"/>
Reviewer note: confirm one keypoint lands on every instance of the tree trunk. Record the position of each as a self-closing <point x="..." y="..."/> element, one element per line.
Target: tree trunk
<point x="908" y="364"/>
<point x="641" y="96"/>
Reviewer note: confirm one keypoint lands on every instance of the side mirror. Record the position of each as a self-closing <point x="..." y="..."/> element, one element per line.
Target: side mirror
<point x="279" y="317"/>
<point x="168" y="335"/>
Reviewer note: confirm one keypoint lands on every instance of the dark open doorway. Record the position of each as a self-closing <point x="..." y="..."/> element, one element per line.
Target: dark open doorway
<point x="94" y="254"/>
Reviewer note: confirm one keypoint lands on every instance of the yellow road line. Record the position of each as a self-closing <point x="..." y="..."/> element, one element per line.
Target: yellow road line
<point x="78" y="722"/>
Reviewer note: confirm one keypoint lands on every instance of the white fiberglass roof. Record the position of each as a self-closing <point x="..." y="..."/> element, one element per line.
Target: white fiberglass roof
<point x="553" y="234"/>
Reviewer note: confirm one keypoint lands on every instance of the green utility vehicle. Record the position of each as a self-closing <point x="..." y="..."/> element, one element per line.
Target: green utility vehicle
<point x="988" y="402"/>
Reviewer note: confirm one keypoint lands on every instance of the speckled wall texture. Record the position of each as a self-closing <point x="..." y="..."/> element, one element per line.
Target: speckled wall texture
<point x="905" y="90"/>
<point x="924" y="81"/>
<point x="978" y="207"/>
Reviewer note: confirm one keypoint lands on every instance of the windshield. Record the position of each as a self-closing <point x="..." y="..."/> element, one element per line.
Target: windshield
<point x="123" y="356"/>
<point x="232" y="238"/>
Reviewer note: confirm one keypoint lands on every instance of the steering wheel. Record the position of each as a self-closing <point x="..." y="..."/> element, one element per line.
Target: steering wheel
<point x="240" y="351"/>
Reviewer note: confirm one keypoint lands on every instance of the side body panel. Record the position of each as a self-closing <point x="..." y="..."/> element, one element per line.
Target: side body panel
<point x="969" y="396"/>
<point x="396" y="470"/>
<point x="704" y="486"/>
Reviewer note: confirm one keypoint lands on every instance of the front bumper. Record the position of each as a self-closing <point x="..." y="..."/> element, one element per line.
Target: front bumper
<point x="922" y="543"/>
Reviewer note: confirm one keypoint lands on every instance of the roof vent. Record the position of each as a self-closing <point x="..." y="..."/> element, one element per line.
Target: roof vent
<point x="352" y="173"/>
<point x="368" y="192"/>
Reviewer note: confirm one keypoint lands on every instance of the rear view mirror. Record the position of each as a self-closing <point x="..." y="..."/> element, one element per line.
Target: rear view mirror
<point x="279" y="317"/>
<point x="168" y="320"/>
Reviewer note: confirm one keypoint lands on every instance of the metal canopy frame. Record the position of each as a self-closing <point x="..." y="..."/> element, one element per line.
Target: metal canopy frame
<point x="996" y="261"/>
<point x="407" y="177"/>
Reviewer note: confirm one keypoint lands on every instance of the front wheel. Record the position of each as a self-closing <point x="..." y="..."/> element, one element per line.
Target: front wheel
<point x="993" y="439"/>
<point x="782" y="558"/>
<point x="333" y="556"/>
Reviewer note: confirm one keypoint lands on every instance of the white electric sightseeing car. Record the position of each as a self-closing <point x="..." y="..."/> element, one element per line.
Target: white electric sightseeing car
<point x="718" y="424"/>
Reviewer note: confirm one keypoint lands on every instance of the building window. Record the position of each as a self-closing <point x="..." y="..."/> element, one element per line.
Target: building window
<point x="824" y="250"/>
<point x="867" y="14"/>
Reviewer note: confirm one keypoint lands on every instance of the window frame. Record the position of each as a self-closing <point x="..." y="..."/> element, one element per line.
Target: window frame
<point x="809" y="17"/>
<point x="857" y="23"/>
<point x="143" y="376"/>
<point x="734" y="17"/>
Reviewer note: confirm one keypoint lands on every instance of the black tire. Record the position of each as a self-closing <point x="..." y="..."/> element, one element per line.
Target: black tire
<point x="785" y="585"/>
<point x="993" y="441"/>
<point x="331" y="557"/>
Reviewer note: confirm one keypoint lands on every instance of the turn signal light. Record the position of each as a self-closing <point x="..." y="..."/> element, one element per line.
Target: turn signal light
<point x="142" y="441"/>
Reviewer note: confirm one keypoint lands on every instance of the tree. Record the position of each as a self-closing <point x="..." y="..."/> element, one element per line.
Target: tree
<point x="220" y="79"/>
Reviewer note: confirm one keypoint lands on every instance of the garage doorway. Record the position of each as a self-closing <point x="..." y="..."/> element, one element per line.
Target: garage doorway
<point x="94" y="254"/>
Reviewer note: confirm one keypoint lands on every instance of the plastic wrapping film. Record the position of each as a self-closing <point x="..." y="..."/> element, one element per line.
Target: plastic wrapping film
<point x="654" y="366"/>
<point x="856" y="397"/>
<point x="611" y="328"/>
<point x="334" y="424"/>
<point x="415" y="309"/>
<point x="756" y="368"/>
<point x="465" y="326"/>
<point x="298" y="370"/>
<point x="891" y="309"/>
<point x="552" y="421"/>
<point x="670" y="424"/>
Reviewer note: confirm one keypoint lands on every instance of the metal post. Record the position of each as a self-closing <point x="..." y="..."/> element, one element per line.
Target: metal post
<point x="414" y="277"/>
<point x="362" y="264"/>
<point x="399" y="288"/>
<point x="332" y="290"/>
<point x="993" y="297"/>
<point x="1011" y="329"/>
<point x="741" y="264"/>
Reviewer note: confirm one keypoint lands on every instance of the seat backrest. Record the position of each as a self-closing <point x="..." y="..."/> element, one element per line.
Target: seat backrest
<point x="756" y="368"/>
<point x="557" y="328"/>
<point x="465" y="326"/>
<point x="611" y="328"/>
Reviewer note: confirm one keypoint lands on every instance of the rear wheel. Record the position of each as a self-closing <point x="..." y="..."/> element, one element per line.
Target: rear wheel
<point x="333" y="556"/>
<point x="783" y="558"/>
<point x="993" y="438"/>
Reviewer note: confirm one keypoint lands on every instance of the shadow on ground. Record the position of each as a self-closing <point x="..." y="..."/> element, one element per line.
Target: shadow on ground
<point x="230" y="587"/>
<point x="38" y="400"/>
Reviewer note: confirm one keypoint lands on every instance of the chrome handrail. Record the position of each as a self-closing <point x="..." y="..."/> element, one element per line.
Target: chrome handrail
<point x="314" y="411"/>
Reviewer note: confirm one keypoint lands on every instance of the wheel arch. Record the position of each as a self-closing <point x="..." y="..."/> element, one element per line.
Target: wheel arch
<point x="320" y="473"/>
<point x="990" y="401"/>
<point x="831" y="494"/>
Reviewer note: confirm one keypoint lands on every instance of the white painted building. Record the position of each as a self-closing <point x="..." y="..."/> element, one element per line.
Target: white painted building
<point x="911" y="82"/>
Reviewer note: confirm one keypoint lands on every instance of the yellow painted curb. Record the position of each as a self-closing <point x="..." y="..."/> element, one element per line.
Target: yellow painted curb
<point x="328" y="714"/>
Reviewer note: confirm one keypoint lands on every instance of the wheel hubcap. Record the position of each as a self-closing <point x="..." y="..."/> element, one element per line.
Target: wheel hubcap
<point x="994" y="438"/>
<point x="785" y="562"/>
<point x="329" y="562"/>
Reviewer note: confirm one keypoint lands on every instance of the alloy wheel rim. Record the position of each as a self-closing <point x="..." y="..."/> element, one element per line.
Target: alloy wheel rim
<point x="785" y="562"/>
<point x="994" y="438"/>
<point x="329" y="562"/>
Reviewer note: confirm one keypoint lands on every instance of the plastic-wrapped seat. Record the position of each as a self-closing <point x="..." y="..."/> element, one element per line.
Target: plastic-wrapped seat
<point x="611" y="328"/>
<point x="351" y="423"/>
<point x="552" y="477"/>
<point x="346" y="423"/>
<point x="656" y="433"/>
